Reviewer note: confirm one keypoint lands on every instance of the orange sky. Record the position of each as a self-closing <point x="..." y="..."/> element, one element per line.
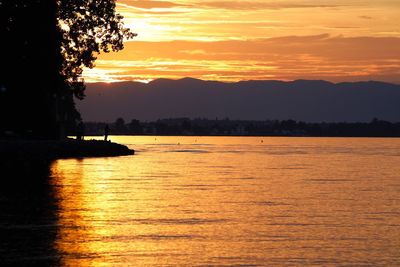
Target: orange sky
<point x="228" y="40"/>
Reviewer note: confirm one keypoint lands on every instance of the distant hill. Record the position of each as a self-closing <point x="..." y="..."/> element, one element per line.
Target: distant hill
<point x="305" y="100"/>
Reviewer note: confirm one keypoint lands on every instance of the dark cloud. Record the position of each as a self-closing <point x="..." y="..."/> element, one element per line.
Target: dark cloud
<point x="365" y="17"/>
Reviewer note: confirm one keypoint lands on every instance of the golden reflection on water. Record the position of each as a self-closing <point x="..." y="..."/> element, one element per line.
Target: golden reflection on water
<point x="195" y="201"/>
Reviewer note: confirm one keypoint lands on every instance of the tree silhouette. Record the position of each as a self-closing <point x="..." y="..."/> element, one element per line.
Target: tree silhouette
<point x="45" y="45"/>
<point x="88" y="28"/>
<point x="120" y="125"/>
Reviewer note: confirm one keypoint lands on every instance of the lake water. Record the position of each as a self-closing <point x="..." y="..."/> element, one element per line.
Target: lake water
<point x="219" y="201"/>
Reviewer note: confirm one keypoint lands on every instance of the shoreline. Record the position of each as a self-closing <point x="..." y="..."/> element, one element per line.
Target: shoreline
<point x="52" y="150"/>
<point x="28" y="162"/>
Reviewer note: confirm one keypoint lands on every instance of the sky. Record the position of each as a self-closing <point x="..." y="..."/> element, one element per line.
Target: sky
<point x="226" y="40"/>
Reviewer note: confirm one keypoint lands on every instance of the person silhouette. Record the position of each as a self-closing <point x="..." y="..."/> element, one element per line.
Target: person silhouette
<point x="80" y="131"/>
<point x="106" y="132"/>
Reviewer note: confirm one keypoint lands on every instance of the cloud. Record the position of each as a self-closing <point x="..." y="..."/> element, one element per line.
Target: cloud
<point x="232" y="5"/>
<point x="322" y="56"/>
<point x="158" y="20"/>
<point x="149" y="4"/>
<point x="365" y="17"/>
<point x="194" y="52"/>
<point x="250" y="5"/>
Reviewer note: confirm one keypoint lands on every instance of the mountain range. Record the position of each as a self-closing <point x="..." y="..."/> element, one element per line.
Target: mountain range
<point x="305" y="100"/>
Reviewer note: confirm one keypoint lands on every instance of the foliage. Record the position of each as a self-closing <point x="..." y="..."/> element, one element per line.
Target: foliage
<point x="88" y="28"/>
<point x="44" y="47"/>
<point x="206" y="127"/>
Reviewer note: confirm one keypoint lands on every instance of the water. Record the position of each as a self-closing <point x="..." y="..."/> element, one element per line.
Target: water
<point x="216" y="201"/>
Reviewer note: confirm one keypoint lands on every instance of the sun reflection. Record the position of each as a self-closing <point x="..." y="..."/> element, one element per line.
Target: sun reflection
<point x="95" y="220"/>
<point x="85" y="209"/>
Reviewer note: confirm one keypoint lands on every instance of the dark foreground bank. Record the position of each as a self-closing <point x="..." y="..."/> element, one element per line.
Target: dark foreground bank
<point x="49" y="150"/>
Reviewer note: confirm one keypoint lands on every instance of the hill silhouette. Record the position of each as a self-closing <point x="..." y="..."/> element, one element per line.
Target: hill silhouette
<point x="304" y="100"/>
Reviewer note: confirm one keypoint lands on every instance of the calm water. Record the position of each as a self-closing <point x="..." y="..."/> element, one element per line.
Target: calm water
<point x="217" y="201"/>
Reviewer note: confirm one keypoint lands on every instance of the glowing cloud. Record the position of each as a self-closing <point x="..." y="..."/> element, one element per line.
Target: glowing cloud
<point x="254" y="39"/>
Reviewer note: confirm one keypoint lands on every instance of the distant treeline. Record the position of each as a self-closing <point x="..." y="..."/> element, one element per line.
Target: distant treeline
<point x="185" y="126"/>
